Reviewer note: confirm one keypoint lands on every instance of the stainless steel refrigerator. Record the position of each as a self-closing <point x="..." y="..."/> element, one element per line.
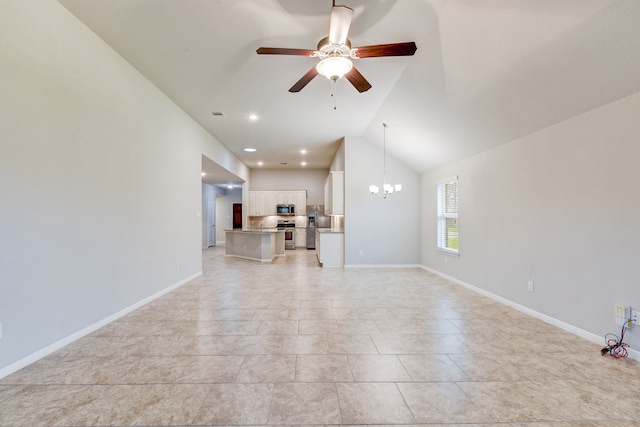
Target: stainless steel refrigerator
<point x="315" y="219"/>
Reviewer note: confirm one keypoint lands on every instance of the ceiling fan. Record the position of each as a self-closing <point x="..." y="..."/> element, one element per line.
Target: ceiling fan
<point x="335" y="53"/>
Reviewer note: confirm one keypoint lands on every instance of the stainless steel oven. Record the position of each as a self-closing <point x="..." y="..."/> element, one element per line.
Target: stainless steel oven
<point x="289" y="233"/>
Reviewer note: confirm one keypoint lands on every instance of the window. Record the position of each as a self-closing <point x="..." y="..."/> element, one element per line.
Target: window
<point x="448" y="216"/>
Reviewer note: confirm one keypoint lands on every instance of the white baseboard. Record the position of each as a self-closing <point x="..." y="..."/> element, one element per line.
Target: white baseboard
<point x="383" y="266"/>
<point x="34" y="357"/>
<point x="633" y="354"/>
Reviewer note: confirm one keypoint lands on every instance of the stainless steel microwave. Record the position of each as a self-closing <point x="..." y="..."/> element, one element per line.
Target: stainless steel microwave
<point x="285" y="210"/>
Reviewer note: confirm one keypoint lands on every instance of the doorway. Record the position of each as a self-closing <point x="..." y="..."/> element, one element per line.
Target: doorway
<point x="237" y="215"/>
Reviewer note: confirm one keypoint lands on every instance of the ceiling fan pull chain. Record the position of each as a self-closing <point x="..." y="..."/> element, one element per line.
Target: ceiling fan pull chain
<point x="333" y="93"/>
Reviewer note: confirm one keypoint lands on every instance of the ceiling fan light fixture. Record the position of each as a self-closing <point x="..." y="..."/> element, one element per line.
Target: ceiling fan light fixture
<point x="334" y="67"/>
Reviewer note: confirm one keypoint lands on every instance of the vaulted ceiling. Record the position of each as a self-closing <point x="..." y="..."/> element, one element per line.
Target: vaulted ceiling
<point x="485" y="72"/>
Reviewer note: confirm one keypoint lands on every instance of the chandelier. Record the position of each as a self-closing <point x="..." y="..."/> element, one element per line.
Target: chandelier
<point x="387" y="189"/>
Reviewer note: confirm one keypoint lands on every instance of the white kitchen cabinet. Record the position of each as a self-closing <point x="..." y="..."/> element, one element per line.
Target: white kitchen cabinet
<point x="300" y="200"/>
<point x="253" y="203"/>
<point x="297" y="198"/>
<point x="301" y="237"/>
<point x="262" y="203"/>
<point x="284" y="197"/>
<point x="330" y="248"/>
<point x="334" y="193"/>
<point x="269" y="203"/>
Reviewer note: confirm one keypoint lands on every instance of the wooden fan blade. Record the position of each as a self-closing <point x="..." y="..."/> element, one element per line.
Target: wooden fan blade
<point x="283" y="51"/>
<point x="357" y="80"/>
<point x="341" y="17"/>
<point x="391" y="49"/>
<point x="300" y="84"/>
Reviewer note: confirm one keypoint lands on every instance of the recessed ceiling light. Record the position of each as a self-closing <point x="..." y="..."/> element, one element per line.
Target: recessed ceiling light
<point x="304" y="163"/>
<point x="230" y="186"/>
<point x="260" y="163"/>
<point x="249" y="150"/>
<point x="203" y="174"/>
<point x="303" y="151"/>
<point x="253" y="117"/>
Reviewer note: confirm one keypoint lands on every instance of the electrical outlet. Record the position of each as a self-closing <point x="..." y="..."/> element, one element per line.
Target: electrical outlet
<point x="635" y="317"/>
<point x="622" y="314"/>
<point x="530" y="285"/>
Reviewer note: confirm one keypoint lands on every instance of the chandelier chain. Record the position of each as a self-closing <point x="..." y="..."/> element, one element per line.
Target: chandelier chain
<point x="387" y="189"/>
<point x="384" y="154"/>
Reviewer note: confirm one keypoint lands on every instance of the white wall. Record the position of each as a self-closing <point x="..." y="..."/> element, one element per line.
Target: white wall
<point x="337" y="164"/>
<point x="386" y="231"/>
<point x="99" y="180"/>
<point x="311" y="180"/>
<point x="560" y="207"/>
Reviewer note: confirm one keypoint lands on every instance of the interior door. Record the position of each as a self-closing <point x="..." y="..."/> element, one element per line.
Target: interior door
<point x="211" y="218"/>
<point x="237" y="215"/>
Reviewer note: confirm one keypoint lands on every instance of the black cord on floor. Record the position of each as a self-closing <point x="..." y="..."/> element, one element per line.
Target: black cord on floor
<point x="614" y="346"/>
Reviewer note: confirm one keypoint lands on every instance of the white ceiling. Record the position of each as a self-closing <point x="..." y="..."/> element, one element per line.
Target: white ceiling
<point x="485" y="72"/>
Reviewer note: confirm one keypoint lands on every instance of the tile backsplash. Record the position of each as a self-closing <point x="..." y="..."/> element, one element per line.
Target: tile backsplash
<point x="262" y="222"/>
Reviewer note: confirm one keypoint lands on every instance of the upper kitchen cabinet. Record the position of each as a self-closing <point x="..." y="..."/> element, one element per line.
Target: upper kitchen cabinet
<point x="334" y="193"/>
<point x="262" y="203"/>
<point x="301" y="202"/>
<point x="297" y="198"/>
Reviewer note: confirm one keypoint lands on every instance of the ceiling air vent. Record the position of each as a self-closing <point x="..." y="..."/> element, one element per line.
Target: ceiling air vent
<point x="217" y="113"/>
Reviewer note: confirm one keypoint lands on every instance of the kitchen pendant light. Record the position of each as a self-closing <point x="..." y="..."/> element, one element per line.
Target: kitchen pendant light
<point x="387" y="189"/>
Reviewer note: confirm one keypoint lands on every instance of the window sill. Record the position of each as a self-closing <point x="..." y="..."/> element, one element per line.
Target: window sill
<point x="448" y="252"/>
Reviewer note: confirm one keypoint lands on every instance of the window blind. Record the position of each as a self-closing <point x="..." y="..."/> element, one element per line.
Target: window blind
<point x="447" y="203"/>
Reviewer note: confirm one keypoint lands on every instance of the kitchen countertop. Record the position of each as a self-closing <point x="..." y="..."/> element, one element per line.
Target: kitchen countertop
<point x="266" y="230"/>
<point x="329" y="230"/>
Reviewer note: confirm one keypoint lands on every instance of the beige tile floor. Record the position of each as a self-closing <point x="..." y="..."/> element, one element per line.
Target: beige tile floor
<point x="289" y="343"/>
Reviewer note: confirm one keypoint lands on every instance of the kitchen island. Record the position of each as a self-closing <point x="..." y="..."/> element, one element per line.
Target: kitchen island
<point x="256" y="245"/>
